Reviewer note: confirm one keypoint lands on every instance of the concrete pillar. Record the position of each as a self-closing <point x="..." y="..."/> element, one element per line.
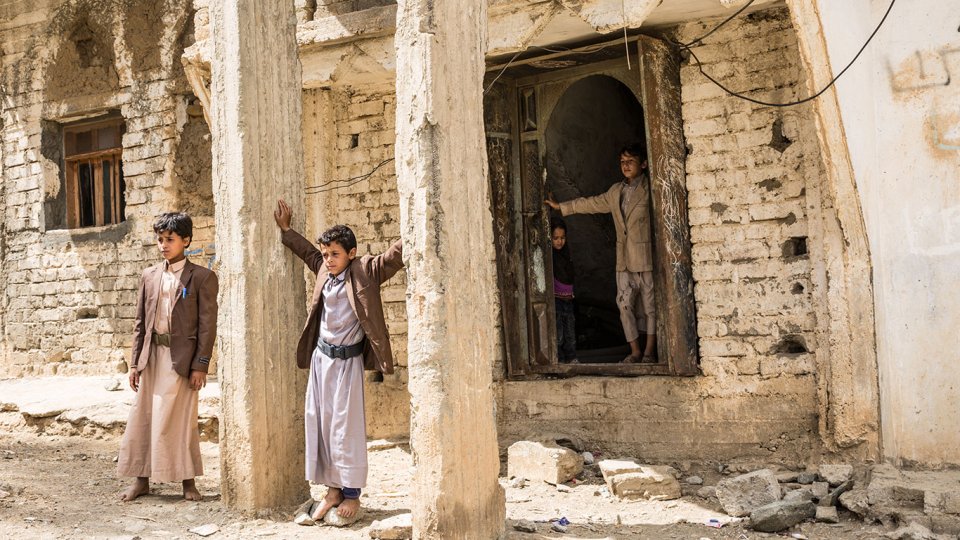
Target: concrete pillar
<point x="447" y="230"/>
<point x="258" y="156"/>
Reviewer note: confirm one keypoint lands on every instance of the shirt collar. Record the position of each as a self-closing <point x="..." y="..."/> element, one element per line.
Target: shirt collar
<point x="338" y="279"/>
<point x="175" y="267"/>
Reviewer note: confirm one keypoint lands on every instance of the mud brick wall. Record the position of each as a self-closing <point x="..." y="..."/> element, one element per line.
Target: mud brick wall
<point x="749" y="172"/>
<point x="69" y="295"/>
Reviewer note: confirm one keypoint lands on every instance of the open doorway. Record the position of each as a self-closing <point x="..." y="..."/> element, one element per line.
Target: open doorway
<point x="593" y="119"/>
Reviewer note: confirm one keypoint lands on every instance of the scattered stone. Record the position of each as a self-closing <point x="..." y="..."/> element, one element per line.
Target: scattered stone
<point x="802" y="494"/>
<point x="304" y="513"/>
<point x="780" y="515"/>
<point x="629" y="480"/>
<point x="834" y="497"/>
<point x="806" y="478"/>
<point x="112" y="385"/>
<point x="545" y="461"/>
<point x="524" y="525"/>
<point x="517" y="483"/>
<point x="335" y="519"/>
<point x="384" y="444"/>
<point x="694" y="480"/>
<point x="836" y="474"/>
<point x="827" y="514"/>
<point x="740" y="495"/>
<point x="205" y="530"/>
<point x="820" y="489"/>
<point x="707" y="492"/>
<point x="612" y="467"/>
<point x="787" y="477"/>
<point x="563" y="488"/>
<point x="587" y="458"/>
<point x="915" y="531"/>
<point x="556" y="527"/>
<point x="856" y="501"/>
<point x="398" y="527"/>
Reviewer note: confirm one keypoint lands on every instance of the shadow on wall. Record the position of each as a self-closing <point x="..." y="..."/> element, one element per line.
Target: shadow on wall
<point x="594" y="118"/>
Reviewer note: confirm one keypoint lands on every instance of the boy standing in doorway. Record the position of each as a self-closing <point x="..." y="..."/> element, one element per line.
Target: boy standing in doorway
<point x="628" y="202"/>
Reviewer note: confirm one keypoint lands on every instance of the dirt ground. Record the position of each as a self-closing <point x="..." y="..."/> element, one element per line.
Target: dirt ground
<point x="65" y="487"/>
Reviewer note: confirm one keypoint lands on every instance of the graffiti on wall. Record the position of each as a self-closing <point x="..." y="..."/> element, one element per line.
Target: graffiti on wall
<point x="932" y="74"/>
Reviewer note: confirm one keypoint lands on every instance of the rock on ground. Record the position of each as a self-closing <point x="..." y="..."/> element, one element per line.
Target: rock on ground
<point x="630" y="480"/>
<point x="335" y="519"/>
<point x="780" y="515"/>
<point x="740" y="495"/>
<point x="543" y="460"/>
<point x="398" y="527"/>
<point x="827" y="514"/>
<point x="915" y="531"/>
<point x="836" y="474"/>
<point x="524" y="525"/>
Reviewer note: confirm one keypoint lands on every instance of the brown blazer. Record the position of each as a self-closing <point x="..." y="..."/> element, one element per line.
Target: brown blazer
<point x="193" y="322"/>
<point x="634" y="250"/>
<point x="367" y="273"/>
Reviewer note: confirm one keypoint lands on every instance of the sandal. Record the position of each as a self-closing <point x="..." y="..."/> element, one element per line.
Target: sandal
<point x="631" y="359"/>
<point x="649" y="359"/>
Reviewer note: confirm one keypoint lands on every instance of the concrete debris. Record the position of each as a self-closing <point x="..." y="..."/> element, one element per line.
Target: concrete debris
<point x="524" y="525"/>
<point x="827" y="514"/>
<point x="398" y="527"/>
<point x="517" y="483"/>
<point x="915" y="531"/>
<point x="836" y="474"/>
<point x="802" y="494"/>
<point x="780" y="515"/>
<point x="205" y="530"/>
<point x="856" y="501"/>
<point x="707" y="492"/>
<point x="543" y="460"/>
<point x="113" y="385"/>
<point x="563" y="488"/>
<point x="304" y="512"/>
<point x="806" y="478"/>
<point x="820" y="490"/>
<point x="556" y="527"/>
<point x="694" y="480"/>
<point x="786" y="477"/>
<point x="333" y="517"/>
<point x="740" y="495"/>
<point x="587" y="458"/>
<point x="834" y="497"/>
<point x="630" y="480"/>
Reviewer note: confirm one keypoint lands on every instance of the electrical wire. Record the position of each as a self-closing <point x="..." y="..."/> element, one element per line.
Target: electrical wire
<point x="328" y="186"/>
<point x="717" y="27"/>
<point x="689" y="48"/>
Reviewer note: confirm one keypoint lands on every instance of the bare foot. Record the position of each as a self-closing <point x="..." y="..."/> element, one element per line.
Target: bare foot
<point x="348" y="508"/>
<point x="140" y="486"/>
<point x="333" y="497"/>
<point x="190" y="491"/>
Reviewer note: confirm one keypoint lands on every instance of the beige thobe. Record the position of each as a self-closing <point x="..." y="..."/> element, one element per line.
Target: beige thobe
<point x="334" y="422"/>
<point x="162" y="438"/>
<point x="635" y="294"/>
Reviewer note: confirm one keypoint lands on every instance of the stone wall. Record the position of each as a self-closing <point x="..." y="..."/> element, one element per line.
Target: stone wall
<point x="749" y="170"/>
<point x="69" y="296"/>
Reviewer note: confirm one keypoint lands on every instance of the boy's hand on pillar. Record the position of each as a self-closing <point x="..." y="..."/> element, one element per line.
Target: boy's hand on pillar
<point x="551" y="203"/>
<point x="282" y="215"/>
<point x="198" y="379"/>
<point x="134" y="379"/>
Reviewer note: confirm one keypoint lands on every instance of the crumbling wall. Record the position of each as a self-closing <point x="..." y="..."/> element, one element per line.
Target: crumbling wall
<point x="70" y="295"/>
<point x="748" y="170"/>
<point x="348" y="134"/>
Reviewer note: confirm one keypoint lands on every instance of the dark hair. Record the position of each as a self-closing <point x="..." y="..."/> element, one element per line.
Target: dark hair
<point x="175" y="222"/>
<point x="636" y="150"/>
<point x="340" y="234"/>
<point x="557" y="223"/>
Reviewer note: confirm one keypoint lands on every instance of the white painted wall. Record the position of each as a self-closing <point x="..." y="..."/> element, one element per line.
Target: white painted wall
<point x="900" y="106"/>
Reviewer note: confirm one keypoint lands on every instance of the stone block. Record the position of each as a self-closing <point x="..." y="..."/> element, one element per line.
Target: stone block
<point x="547" y="461"/>
<point x="827" y="514"/>
<point x="820" y="489"/>
<point x="834" y="497"/>
<point x="836" y="474"/>
<point x="802" y="494"/>
<point x="650" y="482"/>
<point x="740" y="495"/>
<point x="611" y="467"/>
<point x="856" y="501"/>
<point x="806" y="478"/>
<point x="398" y="527"/>
<point x="780" y="515"/>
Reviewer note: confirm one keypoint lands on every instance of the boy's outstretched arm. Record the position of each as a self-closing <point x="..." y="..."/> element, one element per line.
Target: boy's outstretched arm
<point x="300" y="246"/>
<point x="388" y="263"/>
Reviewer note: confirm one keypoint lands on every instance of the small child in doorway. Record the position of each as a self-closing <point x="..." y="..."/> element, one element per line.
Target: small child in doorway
<point x="563" y="293"/>
<point x="345" y="333"/>
<point x="174" y="332"/>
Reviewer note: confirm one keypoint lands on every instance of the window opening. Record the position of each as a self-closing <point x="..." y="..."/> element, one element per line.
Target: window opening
<point x="93" y="169"/>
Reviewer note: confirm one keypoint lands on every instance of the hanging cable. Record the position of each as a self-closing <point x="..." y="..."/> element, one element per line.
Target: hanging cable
<point x="626" y="42"/>
<point x="347" y="182"/>
<point x="689" y="48"/>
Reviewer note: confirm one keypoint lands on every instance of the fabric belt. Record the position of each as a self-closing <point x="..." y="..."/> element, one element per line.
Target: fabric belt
<point x="161" y="339"/>
<point x="342" y="351"/>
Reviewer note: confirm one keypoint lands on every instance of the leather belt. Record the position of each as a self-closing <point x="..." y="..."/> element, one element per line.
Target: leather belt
<point x="161" y="339"/>
<point x="342" y="351"/>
